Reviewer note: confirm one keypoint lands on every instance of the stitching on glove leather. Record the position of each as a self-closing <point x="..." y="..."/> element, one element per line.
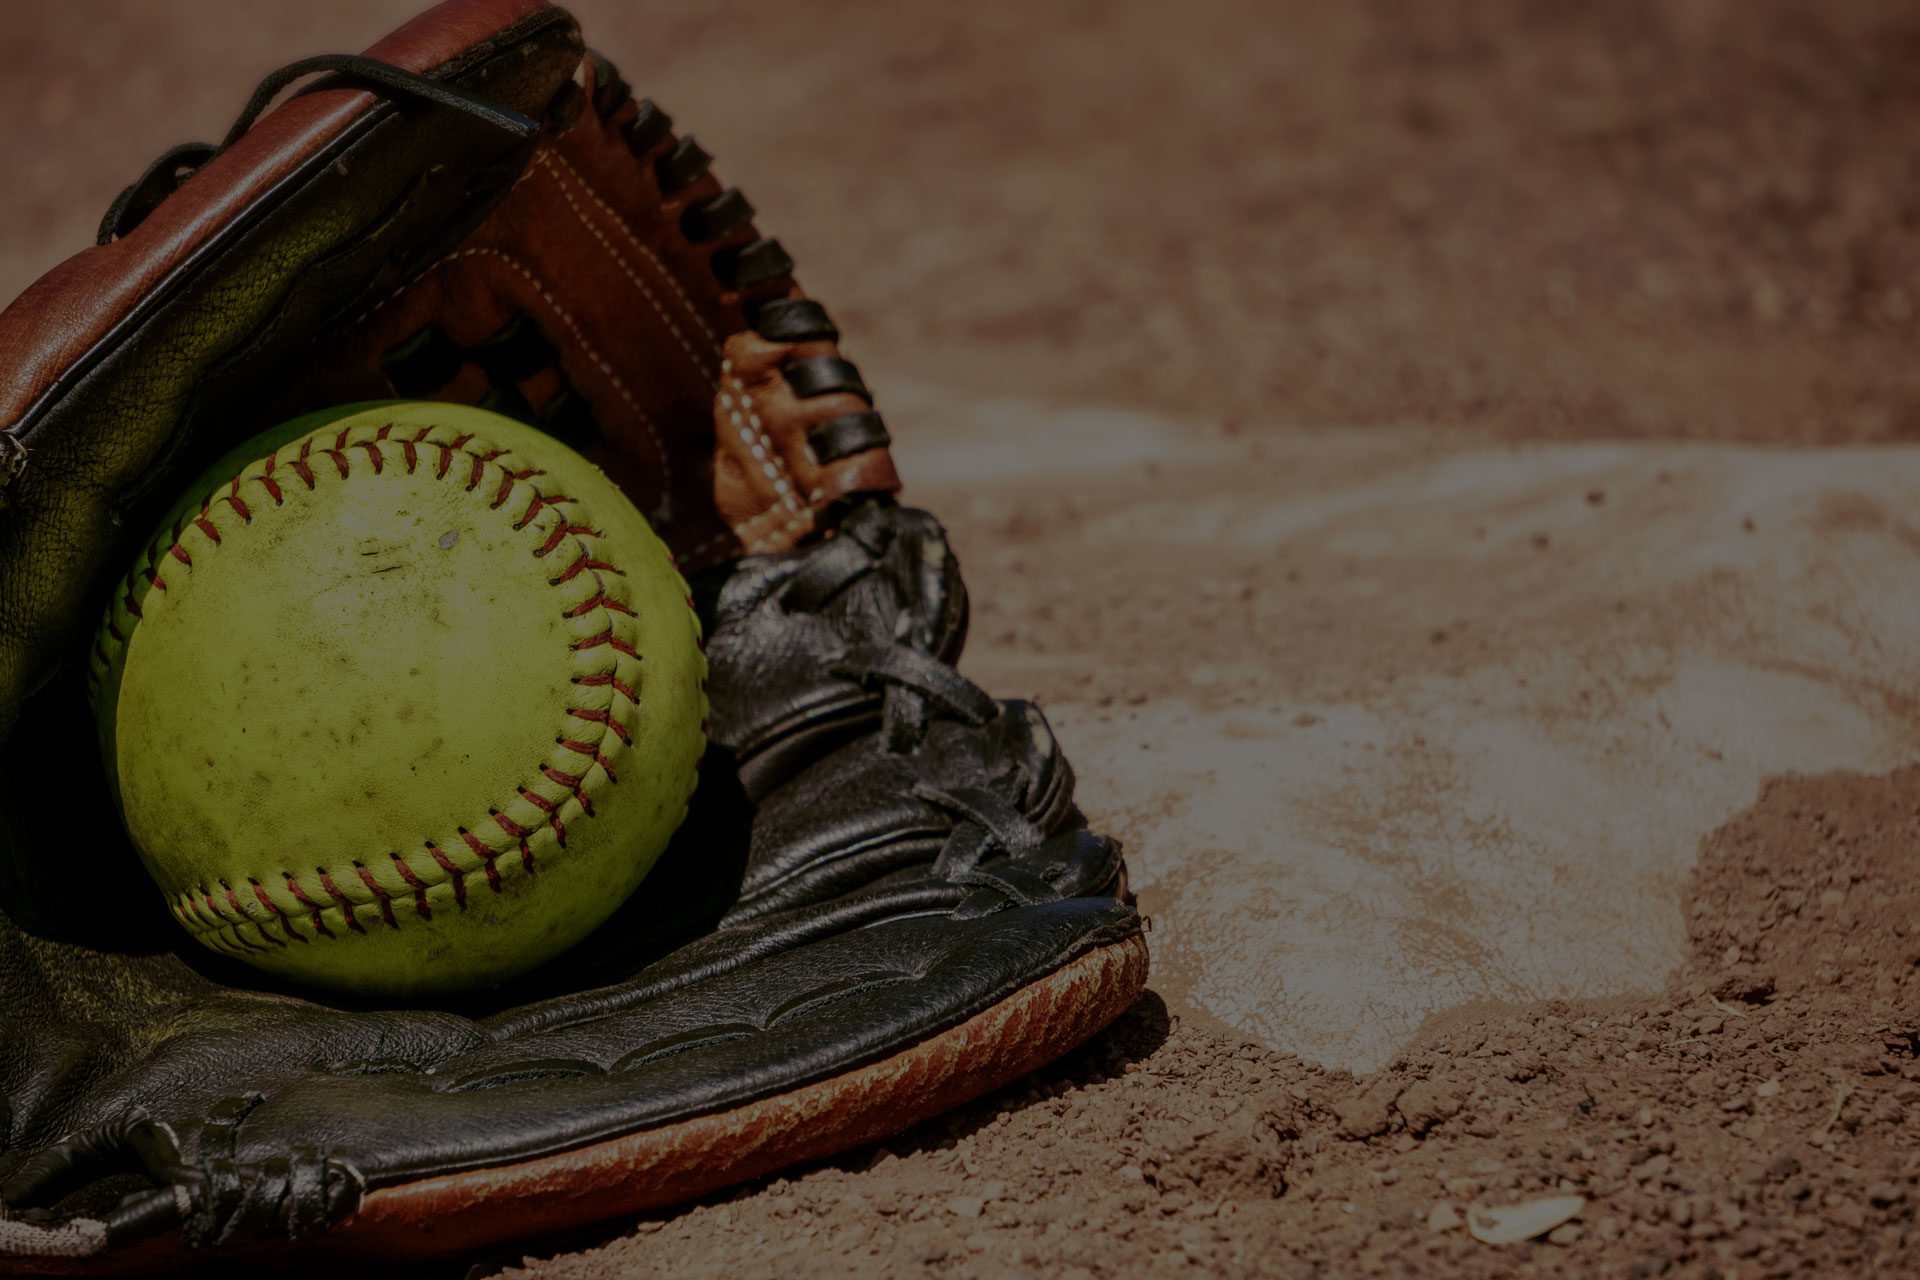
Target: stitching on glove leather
<point x="585" y="735"/>
<point x="771" y="541"/>
<point x="411" y="282"/>
<point x="565" y="317"/>
<point x="746" y="422"/>
<point x="550" y="160"/>
<point x="580" y="337"/>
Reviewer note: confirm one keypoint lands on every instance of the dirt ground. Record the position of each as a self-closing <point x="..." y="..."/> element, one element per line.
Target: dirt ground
<point x="1496" y="221"/>
<point x="1759" y="1117"/>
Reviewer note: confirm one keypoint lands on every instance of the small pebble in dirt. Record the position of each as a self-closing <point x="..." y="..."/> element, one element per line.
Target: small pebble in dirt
<point x="1511" y="1224"/>
<point x="965" y="1206"/>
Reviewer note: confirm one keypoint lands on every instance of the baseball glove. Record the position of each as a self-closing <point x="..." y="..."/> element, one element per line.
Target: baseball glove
<point x="883" y="901"/>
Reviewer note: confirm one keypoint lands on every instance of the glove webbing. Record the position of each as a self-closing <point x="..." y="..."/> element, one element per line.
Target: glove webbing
<point x="78" y="1238"/>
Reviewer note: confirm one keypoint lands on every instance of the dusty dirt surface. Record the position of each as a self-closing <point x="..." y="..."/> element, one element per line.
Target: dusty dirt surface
<point x="1287" y="234"/>
<point x="1760" y="1117"/>
<point x="1540" y="218"/>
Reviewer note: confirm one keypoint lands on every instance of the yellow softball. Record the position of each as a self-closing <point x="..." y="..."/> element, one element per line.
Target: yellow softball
<point x="401" y="699"/>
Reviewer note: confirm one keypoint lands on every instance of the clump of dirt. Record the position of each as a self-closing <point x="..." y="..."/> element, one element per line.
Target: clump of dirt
<point x="1760" y="1117"/>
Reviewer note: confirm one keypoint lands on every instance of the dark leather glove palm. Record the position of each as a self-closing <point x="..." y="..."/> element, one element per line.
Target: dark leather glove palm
<point x="883" y="902"/>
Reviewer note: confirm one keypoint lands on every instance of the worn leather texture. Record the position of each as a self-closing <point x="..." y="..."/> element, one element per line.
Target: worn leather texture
<point x="882" y="900"/>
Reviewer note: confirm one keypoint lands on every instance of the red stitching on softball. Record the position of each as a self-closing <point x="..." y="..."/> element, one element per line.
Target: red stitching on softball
<point x="234" y="900"/>
<point x="606" y="678"/>
<point x="486" y="855"/>
<point x="300" y="895"/>
<point x="599" y="600"/>
<point x="539" y="503"/>
<point x="414" y="883"/>
<point x="610" y="640"/>
<point x="286" y="925"/>
<point x="300" y="467"/>
<point x="507" y="824"/>
<point x="386" y="903"/>
<point x="476" y="844"/>
<point x="459" y="876"/>
<point x="602" y="717"/>
<point x="561" y="532"/>
<point x="573" y="784"/>
<point x="581" y="748"/>
<point x="580" y="566"/>
<point x="353" y="921"/>
<point x="552" y="811"/>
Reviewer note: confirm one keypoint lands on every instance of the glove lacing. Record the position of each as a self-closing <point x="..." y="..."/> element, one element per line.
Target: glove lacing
<point x="215" y="1201"/>
<point x="912" y="677"/>
<point x="917" y="683"/>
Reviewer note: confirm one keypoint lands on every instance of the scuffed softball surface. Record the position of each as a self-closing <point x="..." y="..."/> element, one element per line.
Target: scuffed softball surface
<point x="402" y="699"/>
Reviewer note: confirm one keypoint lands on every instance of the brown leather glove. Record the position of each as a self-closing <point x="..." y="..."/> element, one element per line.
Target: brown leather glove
<point x="883" y="902"/>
